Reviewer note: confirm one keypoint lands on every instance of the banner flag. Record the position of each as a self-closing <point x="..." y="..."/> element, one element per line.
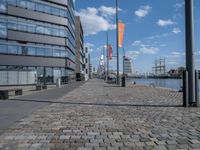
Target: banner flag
<point x="121" y="28"/>
<point x="110" y="52"/>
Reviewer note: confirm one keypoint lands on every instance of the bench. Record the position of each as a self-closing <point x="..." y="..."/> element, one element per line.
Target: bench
<point x="4" y="93"/>
<point x="39" y="87"/>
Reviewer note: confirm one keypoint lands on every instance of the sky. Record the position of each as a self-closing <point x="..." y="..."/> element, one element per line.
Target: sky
<point x="153" y="29"/>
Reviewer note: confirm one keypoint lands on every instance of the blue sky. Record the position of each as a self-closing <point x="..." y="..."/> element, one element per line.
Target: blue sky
<point x="154" y="29"/>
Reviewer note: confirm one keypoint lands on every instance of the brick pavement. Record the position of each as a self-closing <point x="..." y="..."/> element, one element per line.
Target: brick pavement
<point x="86" y="119"/>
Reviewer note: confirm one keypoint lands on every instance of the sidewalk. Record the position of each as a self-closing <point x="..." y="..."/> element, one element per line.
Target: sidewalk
<point x="99" y="116"/>
<point x="19" y="107"/>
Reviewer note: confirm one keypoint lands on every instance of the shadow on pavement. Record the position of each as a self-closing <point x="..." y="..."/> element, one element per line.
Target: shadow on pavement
<point x="95" y="104"/>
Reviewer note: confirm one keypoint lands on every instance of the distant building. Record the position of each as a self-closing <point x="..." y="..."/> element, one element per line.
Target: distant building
<point x="127" y="66"/>
<point x="86" y="64"/>
<point x="79" y="49"/>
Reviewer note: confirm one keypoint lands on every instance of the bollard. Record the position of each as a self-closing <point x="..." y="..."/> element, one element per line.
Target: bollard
<point x="123" y="81"/>
<point x="197" y="87"/>
<point x="185" y="89"/>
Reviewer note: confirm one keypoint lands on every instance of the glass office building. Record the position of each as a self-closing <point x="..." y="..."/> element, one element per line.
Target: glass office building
<point x="37" y="41"/>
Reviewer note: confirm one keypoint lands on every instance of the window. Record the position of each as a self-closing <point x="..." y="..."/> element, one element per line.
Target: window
<point x="31" y="51"/>
<point x="55" y="32"/>
<point x="2" y="6"/>
<point x="21" y="3"/>
<point x="31" y="28"/>
<point x="22" y="26"/>
<point x="3" y="29"/>
<point x="40" y="29"/>
<point x="40" y="7"/>
<point x="12" y="49"/>
<point x="40" y="52"/>
<point x="62" y="32"/>
<point x="24" y="50"/>
<point x="19" y="50"/>
<point x="48" y="52"/>
<point x="30" y="5"/>
<point x="47" y="9"/>
<point x="62" y="13"/>
<point x="56" y="53"/>
<point x="12" y="24"/>
<point x="62" y="53"/>
<point x="3" y="48"/>
<point x="12" y="2"/>
<point x="55" y="11"/>
<point x="47" y="30"/>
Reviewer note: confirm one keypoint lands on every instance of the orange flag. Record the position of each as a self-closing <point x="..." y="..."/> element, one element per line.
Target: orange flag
<point x="121" y="28"/>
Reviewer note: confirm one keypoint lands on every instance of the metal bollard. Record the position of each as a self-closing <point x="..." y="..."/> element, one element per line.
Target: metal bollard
<point x="123" y="81"/>
<point x="197" y="87"/>
<point x="185" y="89"/>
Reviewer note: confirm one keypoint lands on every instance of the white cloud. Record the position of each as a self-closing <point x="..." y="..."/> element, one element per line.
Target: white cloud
<point x="143" y="11"/>
<point x="145" y="49"/>
<point x="177" y="6"/>
<point x="94" y="20"/>
<point x="163" y="23"/>
<point x="132" y="54"/>
<point x="108" y="11"/>
<point x="176" y="30"/>
<point x="137" y="43"/>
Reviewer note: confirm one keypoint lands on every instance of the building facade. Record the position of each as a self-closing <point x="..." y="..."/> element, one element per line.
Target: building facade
<point x="79" y="35"/>
<point x="127" y="66"/>
<point x="37" y="41"/>
<point x="87" y="64"/>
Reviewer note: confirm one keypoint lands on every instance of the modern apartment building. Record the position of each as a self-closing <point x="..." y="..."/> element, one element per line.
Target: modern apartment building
<point x="37" y="41"/>
<point x="79" y="35"/>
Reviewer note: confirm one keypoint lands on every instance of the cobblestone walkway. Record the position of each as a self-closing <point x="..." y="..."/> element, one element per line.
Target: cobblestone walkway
<point x="97" y="116"/>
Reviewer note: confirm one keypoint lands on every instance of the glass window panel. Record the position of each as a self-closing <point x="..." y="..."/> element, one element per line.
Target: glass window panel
<point x="3" y="48"/>
<point x="21" y="3"/>
<point x="62" y="53"/>
<point x="56" y="53"/>
<point x="2" y="6"/>
<point x="49" y="75"/>
<point x="3" y="78"/>
<point x="3" y="29"/>
<point x="40" y="7"/>
<point x="62" y="13"/>
<point x="55" y="11"/>
<point x="30" y="5"/>
<point x="19" y="50"/>
<point x="47" y="9"/>
<point x="12" y="49"/>
<point x="12" y="24"/>
<point x="24" y="50"/>
<point x="32" y="77"/>
<point x="62" y="33"/>
<point x="31" y="28"/>
<point x="55" y="32"/>
<point x="40" y="51"/>
<point x="12" y="2"/>
<point x="22" y="26"/>
<point x="48" y="52"/>
<point x="23" y="77"/>
<point x="47" y="30"/>
<point x="40" y="29"/>
<point x="31" y="51"/>
<point x="12" y="77"/>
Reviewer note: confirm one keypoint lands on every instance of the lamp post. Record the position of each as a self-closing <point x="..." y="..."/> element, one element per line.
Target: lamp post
<point x="117" y="40"/>
<point x="189" y="23"/>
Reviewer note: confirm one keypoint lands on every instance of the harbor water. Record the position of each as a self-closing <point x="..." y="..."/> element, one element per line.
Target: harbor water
<point x="165" y="83"/>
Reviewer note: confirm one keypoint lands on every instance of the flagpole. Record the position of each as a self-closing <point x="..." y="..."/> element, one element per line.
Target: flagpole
<point x="117" y="40"/>
<point x="107" y="56"/>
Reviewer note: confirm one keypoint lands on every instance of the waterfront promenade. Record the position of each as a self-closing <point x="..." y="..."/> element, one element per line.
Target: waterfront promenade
<point x="100" y="116"/>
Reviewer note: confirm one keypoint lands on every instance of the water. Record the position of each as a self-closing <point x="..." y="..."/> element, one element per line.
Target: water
<point x="166" y="83"/>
